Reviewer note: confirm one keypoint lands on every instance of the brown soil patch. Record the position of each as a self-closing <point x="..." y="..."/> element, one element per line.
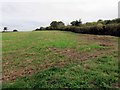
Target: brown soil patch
<point x="106" y="44"/>
<point x="71" y="55"/>
<point x="30" y="70"/>
<point x="79" y="56"/>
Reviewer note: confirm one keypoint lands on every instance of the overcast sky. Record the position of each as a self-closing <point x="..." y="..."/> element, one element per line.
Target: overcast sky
<point x="30" y="14"/>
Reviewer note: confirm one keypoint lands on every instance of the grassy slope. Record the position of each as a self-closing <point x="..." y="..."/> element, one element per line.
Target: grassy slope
<point x="59" y="59"/>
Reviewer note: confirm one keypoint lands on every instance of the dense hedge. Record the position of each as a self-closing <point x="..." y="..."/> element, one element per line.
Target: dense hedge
<point x="99" y="29"/>
<point x="110" y="29"/>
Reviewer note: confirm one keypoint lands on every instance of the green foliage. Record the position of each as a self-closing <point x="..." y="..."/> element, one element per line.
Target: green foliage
<point x="114" y="21"/>
<point x="56" y="25"/>
<point x="76" y="23"/>
<point x="15" y="30"/>
<point x="100" y="21"/>
<point x="5" y="29"/>
<point x="90" y="47"/>
<point x="101" y="27"/>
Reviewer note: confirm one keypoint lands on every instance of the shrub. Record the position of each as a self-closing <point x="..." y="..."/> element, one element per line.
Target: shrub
<point x="15" y="30"/>
<point x="109" y="29"/>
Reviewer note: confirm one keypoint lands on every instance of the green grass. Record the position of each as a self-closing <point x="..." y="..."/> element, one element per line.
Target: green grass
<point x="99" y="74"/>
<point x="59" y="60"/>
<point x="91" y="47"/>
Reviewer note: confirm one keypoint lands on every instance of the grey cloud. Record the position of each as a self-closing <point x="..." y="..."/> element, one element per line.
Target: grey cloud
<point x="41" y="12"/>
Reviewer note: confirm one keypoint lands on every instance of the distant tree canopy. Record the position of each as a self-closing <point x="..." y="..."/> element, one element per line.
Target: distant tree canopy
<point x="41" y="28"/>
<point x="112" y="21"/>
<point x="76" y="23"/>
<point x="15" y="30"/>
<point x="5" y="29"/>
<point x="56" y="25"/>
<point x="90" y="23"/>
<point x="100" y="27"/>
<point x="100" y="21"/>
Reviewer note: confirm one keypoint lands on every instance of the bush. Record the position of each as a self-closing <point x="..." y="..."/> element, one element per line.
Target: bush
<point x="110" y="29"/>
<point x="15" y="30"/>
<point x="106" y="27"/>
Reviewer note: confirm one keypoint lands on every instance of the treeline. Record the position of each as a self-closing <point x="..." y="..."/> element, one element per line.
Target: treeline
<point x="5" y="29"/>
<point x="101" y="27"/>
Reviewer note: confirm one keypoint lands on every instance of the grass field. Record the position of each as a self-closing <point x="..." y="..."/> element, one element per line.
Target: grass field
<point x="55" y="59"/>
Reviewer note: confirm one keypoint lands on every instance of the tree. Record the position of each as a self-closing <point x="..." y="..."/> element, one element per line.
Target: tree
<point x="53" y="24"/>
<point x="42" y="28"/>
<point x="15" y="30"/>
<point x="5" y="29"/>
<point x="100" y="21"/>
<point x="60" y="25"/>
<point x="73" y="23"/>
<point x="117" y="20"/>
<point x="76" y="23"/>
<point x="57" y="25"/>
<point x="107" y="21"/>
